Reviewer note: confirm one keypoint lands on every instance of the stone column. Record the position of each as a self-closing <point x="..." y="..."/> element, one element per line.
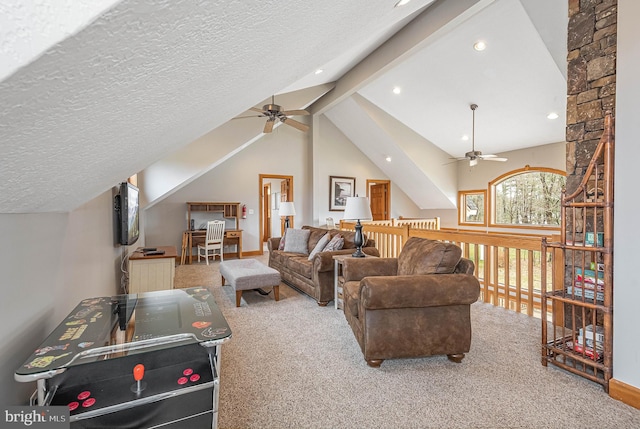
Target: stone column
<point x="591" y="79"/>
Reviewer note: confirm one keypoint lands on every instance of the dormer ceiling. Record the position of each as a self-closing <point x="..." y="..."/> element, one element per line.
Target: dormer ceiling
<point x="124" y="84"/>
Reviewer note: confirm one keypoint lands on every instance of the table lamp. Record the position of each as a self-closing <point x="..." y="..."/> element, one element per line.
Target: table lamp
<point x="357" y="208"/>
<point x="287" y="209"/>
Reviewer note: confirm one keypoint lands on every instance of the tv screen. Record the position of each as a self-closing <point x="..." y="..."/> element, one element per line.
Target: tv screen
<point x="128" y="208"/>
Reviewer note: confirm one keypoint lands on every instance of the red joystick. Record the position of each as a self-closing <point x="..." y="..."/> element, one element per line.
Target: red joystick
<point x="138" y="374"/>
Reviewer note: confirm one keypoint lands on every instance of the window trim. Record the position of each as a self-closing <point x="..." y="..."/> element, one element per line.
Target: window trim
<point x="461" y="215"/>
<point x="492" y="196"/>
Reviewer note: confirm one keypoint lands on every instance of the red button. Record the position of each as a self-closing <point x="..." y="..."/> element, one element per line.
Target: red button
<point x="194" y="378"/>
<point x="187" y="372"/>
<point x="89" y="402"/>
<point x="73" y="405"/>
<point x="182" y="380"/>
<point x="84" y="395"/>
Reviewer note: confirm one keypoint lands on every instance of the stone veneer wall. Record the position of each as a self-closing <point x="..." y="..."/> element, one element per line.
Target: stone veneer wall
<point x="591" y="80"/>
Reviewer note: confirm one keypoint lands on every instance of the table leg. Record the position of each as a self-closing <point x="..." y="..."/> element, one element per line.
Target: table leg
<point x="335" y="283"/>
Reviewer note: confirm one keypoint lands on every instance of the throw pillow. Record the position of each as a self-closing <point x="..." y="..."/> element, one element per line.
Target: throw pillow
<point x="336" y="243"/>
<point x="296" y="241"/>
<point x="282" y="240"/>
<point x="320" y="245"/>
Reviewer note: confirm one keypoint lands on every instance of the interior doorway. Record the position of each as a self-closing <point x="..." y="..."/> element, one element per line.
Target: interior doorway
<point x="273" y="189"/>
<point x="379" y="194"/>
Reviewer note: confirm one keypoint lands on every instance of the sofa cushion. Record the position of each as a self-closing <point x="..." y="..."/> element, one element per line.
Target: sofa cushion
<point x="320" y="245"/>
<point x="300" y="265"/>
<point x="336" y="243"/>
<point x="315" y="235"/>
<point x="282" y="240"/>
<point x="348" y="239"/>
<point x="296" y="241"/>
<point x="423" y="256"/>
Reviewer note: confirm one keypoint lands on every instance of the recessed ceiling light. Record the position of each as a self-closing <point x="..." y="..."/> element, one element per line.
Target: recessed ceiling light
<point x="319" y="71"/>
<point x="552" y="115"/>
<point x="388" y="159"/>
<point x="479" y="45"/>
<point x="401" y="3"/>
<point x="465" y="137"/>
<point x="397" y="90"/>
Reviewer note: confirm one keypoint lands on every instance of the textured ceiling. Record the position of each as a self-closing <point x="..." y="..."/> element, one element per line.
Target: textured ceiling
<point x="114" y="89"/>
<point x="146" y="78"/>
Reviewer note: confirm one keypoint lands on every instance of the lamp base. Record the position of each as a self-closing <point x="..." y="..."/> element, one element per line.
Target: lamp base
<point x="358" y="241"/>
<point x="358" y="253"/>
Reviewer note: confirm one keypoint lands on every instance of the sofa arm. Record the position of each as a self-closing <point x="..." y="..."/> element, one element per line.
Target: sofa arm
<point x="273" y="243"/>
<point x="355" y="269"/>
<point x="323" y="261"/>
<point x="429" y="290"/>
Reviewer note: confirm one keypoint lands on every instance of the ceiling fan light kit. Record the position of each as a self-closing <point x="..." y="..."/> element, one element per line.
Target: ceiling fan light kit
<point x="273" y="112"/>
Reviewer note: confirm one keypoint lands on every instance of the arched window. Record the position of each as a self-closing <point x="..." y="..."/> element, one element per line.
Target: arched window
<point x="528" y="197"/>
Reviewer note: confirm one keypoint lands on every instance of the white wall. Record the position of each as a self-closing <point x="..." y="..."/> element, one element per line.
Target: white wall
<point x="626" y="298"/>
<point x="49" y="263"/>
<point x="283" y="152"/>
<point x="335" y="155"/>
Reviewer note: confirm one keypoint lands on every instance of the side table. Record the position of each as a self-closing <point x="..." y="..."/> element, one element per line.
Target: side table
<point x="338" y="280"/>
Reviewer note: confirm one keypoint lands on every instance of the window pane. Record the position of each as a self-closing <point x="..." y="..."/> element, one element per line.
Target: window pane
<point x="474" y="208"/>
<point x="531" y="198"/>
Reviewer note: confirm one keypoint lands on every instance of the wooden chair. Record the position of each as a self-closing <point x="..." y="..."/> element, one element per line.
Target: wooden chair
<point x="213" y="243"/>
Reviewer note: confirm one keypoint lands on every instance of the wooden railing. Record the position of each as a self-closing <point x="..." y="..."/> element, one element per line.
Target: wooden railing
<point x="509" y="267"/>
<point x="418" y="223"/>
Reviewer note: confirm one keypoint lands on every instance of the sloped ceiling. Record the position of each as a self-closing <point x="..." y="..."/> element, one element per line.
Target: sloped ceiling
<point x="141" y="80"/>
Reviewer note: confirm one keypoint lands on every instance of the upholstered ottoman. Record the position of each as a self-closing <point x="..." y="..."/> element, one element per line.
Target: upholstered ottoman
<point x="247" y="274"/>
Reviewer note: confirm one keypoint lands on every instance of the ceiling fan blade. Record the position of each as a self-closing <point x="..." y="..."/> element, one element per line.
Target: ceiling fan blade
<point x="454" y="161"/>
<point x="484" y="158"/>
<point x="268" y="126"/>
<point x="295" y="124"/>
<point x="252" y="116"/>
<point x="295" y="112"/>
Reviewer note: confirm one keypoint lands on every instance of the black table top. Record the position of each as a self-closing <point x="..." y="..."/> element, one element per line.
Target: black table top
<point x="159" y="319"/>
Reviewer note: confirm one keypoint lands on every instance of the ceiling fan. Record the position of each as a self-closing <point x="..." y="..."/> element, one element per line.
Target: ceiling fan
<point x="274" y="113"/>
<point x="476" y="155"/>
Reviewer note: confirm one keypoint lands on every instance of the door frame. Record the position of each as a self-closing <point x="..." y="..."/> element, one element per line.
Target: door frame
<point x="387" y="202"/>
<point x="261" y="178"/>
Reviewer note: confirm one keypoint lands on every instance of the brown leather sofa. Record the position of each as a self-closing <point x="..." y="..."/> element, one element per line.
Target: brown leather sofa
<point x="412" y="306"/>
<point x="315" y="277"/>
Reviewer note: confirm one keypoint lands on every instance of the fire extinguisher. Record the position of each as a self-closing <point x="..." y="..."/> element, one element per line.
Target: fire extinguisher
<point x="244" y="211"/>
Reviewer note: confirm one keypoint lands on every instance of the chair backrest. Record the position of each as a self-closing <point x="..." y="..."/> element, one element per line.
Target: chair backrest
<point x="424" y="256"/>
<point x="215" y="231"/>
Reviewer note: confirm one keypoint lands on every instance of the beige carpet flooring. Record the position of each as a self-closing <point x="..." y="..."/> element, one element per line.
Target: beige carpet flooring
<point x="293" y="364"/>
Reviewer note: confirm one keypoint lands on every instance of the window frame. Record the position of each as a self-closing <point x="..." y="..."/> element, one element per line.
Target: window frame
<point x="462" y="204"/>
<point x="492" y="196"/>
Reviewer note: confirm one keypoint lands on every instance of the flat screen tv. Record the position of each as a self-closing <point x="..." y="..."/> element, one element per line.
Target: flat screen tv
<point x="127" y="209"/>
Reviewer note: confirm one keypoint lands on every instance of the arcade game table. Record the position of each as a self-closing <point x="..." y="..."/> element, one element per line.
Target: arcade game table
<point x="134" y="361"/>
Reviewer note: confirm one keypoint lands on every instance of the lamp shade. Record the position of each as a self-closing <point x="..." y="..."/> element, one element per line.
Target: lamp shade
<point x="357" y="208"/>
<point x="287" y="209"/>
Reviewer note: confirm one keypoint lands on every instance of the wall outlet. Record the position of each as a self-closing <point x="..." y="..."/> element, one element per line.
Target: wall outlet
<point x="250" y="211"/>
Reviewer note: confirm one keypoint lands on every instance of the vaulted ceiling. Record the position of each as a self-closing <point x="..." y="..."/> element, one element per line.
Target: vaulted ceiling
<point x="97" y="91"/>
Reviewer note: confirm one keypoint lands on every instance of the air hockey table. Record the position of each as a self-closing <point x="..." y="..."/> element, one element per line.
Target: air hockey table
<point x="134" y="361"/>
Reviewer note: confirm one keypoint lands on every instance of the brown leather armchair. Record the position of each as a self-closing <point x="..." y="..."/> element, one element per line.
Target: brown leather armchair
<point x="412" y="306"/>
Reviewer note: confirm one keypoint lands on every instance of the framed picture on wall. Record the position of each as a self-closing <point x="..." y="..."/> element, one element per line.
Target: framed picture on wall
<point x="339" y="189"/>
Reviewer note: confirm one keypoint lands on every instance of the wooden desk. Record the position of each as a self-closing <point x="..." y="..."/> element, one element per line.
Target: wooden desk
<point x="192" y="238"/>
<point x="152" y="272"/>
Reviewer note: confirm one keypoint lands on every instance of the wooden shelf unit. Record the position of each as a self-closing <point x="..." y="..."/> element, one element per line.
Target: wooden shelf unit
<point x="228" y="210"/>
<point x="579" y="336"/>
